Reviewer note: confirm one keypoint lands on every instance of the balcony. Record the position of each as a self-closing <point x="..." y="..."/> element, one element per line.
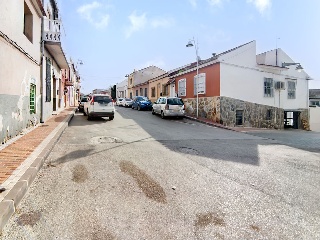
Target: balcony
<point x="51" y="31"/>
<point x="68" y="83"/>
<point x="51" y="35"/>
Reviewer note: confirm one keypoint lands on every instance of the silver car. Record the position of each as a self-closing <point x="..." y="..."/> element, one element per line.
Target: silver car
<point x="127" y="102"/>
<point x="168" y="107"/>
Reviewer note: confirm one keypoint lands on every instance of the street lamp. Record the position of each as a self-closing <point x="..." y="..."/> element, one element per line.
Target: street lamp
<point x="299" y="67"/>
<point x="192" y="43"/>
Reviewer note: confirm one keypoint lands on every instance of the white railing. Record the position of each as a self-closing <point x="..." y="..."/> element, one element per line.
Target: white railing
<point x="51" y="30"/>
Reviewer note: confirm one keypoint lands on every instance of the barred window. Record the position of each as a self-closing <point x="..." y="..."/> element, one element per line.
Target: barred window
<point x="291" y="90"/>
<point x="268" y="87"/>
<point x="269" y="114"/>
<point x="32" y="98"/>
<point x="201" y="84"/>
<point x="182" y="87"/>
<point x="48" y="80"/>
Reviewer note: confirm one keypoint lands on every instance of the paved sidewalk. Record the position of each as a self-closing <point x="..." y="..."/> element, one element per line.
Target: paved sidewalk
<point x="23" y="156"/>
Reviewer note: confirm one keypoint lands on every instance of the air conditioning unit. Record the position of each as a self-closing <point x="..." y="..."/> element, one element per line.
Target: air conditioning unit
<point x="279" y="85"/>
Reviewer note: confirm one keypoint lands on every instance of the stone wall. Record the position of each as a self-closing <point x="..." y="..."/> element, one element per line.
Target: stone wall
<point x="254" y="115"/>
<point x="209" y="107"/>
<point x="223" y="110"/>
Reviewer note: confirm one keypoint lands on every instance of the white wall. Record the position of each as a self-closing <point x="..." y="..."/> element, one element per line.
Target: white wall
<point x="315" y="119"/>
<point x="145" y="74"/>
<point x="12" y="22"/>
<point x="242" y="78"/>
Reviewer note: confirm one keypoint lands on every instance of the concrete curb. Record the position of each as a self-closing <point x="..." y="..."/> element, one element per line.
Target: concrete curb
<point x="10" y="202"/>
<point x="209" y="123"/>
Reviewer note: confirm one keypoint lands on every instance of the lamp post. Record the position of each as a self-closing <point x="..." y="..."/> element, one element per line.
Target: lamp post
<point x="192" y="43"/>
<point x="298" y="68"/>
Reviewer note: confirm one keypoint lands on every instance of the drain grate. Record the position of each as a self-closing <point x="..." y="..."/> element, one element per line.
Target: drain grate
<point x="105" y="139"/>
<point x="188" y="150"/>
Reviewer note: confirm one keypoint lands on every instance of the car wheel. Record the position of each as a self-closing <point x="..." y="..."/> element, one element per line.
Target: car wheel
<point x="111" y="118"/>
<point x="84" y="113"/>
<point x="153" y="113"/>
<point x="162" y="115"/>
<point x="138" y="108"/>
<point x="89" y="117"/>
<point x="132" y="107"/>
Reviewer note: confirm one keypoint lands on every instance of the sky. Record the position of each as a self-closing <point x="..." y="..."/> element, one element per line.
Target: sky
<point x="115" y="37"/>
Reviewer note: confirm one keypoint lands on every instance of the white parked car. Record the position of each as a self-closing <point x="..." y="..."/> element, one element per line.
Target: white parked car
<point x="127" y="102"/>
<point x="168" y="107"/>
<point x="119" y="101"/>
<point x="99" y="105"/>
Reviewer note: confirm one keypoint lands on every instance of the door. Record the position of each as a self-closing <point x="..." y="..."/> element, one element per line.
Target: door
<point x="296" y="120"/>
<point x="54" y="94"/>
<point x="239" y="117"/>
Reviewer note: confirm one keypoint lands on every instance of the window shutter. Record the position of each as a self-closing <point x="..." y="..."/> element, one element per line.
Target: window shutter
<point x="182" y="87"/>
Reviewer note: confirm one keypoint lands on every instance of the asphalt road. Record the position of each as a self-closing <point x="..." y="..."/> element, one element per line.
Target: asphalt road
<point x="142" y="177"/>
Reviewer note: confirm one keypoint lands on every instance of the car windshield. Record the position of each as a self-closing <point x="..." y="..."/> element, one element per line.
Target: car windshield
<point x="174" y="101"/>
<point x="102" y="99"/>
<point x="120" y="99"/>
<point x="128" y="99"/>
<point x="144" y="99"/>
<point x="84" y="100"/>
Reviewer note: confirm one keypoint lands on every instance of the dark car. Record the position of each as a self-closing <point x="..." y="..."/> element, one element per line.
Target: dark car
<point x="141" y="103"/>
<point x="81" y="103"/>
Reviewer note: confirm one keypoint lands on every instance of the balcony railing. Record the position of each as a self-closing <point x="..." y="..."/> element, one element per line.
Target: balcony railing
<point x="51" y="30"/>
<point x="68" y="83"/>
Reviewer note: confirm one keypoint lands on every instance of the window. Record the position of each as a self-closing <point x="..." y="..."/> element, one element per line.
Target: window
<point x="165" y="90"/>
<point x="32" y="98"/>
<point x="268" y="87"/>
<point x="182" y="87"/>
<point x="269" y="114"/>
<point x="174" y="101"/>
<point x="239" y="117"/>
<point x="153" y="92"/>
<point x="141" y="91"/>
<point x="48" y="80"/>
<point x="130" y="81"/>
<point x="28" y="23"/>
<point x="201" y="84"/>
<point x="146" y="92"/>
<point x="131" y="95"/>
<point x="315" y="103"/>
<point x="102" y="99"/>
<point x="291" y="90"/>
<point x="137" y="93"/>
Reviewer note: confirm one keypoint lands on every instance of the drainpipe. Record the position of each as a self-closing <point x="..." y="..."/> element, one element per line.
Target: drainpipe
<point x="42" y="72"/>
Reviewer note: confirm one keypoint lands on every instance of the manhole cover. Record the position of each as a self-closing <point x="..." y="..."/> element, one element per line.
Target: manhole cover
<point x="106" y="139"/>
<point x="188" y="150"/>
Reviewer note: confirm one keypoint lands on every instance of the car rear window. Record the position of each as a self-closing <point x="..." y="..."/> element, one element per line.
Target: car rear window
<point x="84" y="100"/>
<point x="174" y="101"/>
<point x="102" y="99"/>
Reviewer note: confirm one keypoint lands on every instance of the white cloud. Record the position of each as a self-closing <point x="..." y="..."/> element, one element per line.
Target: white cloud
<point x="140" y="22"/>
<point x="193" y="3"/>
<point x="100" y="19"/>
<point x="137" y="23"/>
<point x="161" y="22"/>
<point x="261" y="5"/>
<point x="214" y="2"/>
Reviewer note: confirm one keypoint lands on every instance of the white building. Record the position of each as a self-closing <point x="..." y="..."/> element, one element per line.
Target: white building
<point x="122" y="89"/>
<point x="240" y="88"/>
<point x="54" y="61"/>
<point x="20" y="79"/>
